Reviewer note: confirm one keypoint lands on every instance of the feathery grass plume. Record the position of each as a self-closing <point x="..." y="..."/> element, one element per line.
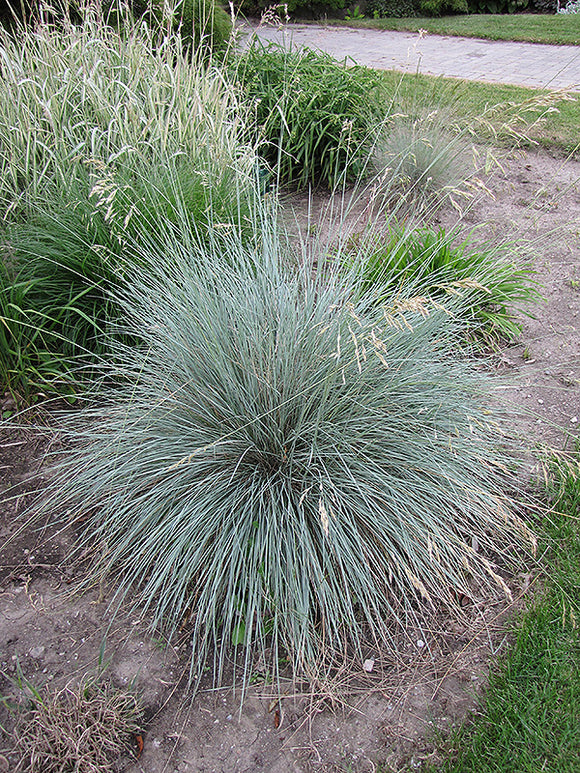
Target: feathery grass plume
<point x="516" y="122"/>
<point x="287" y="470"/>
<point x="422" y="159"/>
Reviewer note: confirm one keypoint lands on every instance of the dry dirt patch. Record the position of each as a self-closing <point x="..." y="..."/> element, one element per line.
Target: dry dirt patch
<point x="537" y="204"/>
<point x="365" y="718"/>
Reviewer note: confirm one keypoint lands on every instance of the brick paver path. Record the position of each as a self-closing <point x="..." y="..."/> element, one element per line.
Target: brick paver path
<point x="524" y="64"/>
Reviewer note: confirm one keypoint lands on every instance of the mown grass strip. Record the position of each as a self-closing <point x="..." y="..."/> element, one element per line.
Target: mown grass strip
<point x="468" y="101"/>
<point x="529" y="28"/>
<point x="530" y="718"/>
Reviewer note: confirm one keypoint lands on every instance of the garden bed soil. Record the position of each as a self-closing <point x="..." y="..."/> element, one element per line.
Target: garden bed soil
<point x="359" y="720"/>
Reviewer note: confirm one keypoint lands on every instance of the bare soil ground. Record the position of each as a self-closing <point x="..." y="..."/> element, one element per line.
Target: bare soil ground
<point x="537" y="204"/>
<point x="362" y="720"/>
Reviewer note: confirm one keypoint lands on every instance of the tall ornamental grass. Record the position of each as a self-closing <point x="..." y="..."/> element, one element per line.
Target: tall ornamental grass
<point x="101" y="134"/>
<point x="279" y="469"/>
<point x="204" y="25"/>
<point x="78" y="96"/>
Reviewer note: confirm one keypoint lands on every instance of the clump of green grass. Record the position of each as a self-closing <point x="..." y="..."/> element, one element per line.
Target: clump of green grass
<point x="491" y="281"/>
<point x="289" y="470"/>
<point x="85" y="728"/>
<point x="26" y="363"/>
<point x="315" y="118"/>
<point x="529" y="718"/>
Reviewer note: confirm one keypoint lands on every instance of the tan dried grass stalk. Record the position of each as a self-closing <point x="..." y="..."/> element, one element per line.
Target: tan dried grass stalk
<point x="83" y="728"/>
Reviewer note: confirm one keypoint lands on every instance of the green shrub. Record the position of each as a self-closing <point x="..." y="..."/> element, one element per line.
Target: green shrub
<point x="489" y="280"/>
<point x="64" y="263"/>
<point x="410" y="8"/>
<point x="71" y="254"/>
<point x="382" y="9"/>
<point x="70" y="260"/>
<point x="211" y="25"/>
<point x="68" y="257"/>
<point x="545" y="6"/>
<point x="310" y="9"/>
<point x="291" y="471"/>
<point x="315" y="118"/>
<point x="498" y="6"/>
<point x="441" y="7"/>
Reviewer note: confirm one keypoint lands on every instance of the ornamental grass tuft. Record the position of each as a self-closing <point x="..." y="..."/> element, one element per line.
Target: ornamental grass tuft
<point x="424" y="159"/>
<point x="283" y="471"/>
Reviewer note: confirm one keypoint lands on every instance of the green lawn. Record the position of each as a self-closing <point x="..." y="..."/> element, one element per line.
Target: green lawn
<point x="530" y="718"/>
<point x="532" y="28"/>
<point x="467" y="102"/>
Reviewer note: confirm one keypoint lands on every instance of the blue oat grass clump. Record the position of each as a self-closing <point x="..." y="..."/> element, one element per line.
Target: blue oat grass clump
<point x="287" y="470"/>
